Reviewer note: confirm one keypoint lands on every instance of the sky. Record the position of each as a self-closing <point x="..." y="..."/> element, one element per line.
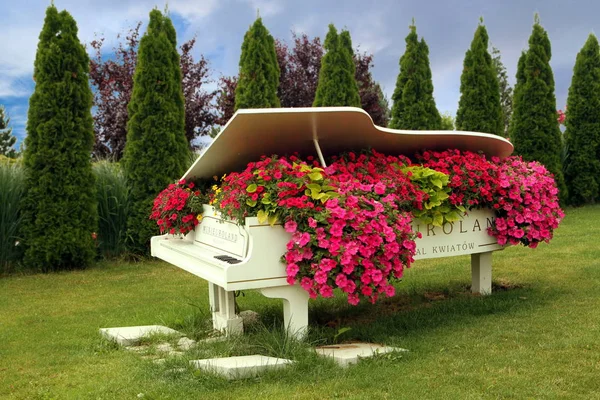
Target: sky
<point x="377" y="26"/>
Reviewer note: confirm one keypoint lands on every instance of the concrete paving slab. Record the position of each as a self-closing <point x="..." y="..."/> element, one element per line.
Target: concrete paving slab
<point x="349" y="353"/>
<point x="131" y="335"/>
<point x="242" y="366"/>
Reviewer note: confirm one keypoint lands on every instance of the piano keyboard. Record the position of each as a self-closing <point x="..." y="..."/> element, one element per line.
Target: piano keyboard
<point x="228" y="259"/>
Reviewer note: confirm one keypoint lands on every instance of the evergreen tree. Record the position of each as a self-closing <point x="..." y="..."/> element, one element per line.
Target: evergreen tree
<point x="156" y="152"/>
<point x="520" y="83"/>
<point x="506" y="91"/>
<point x="479" y="106"/>
<point x="259" y="70"/>
<point x="535" y="134"/>
<point x="582" y="172"/>
<point x="59" y="212"/>
<point x="337" y="82"/>
<point x="7" y="140"/>
<point x="413" y="102"/>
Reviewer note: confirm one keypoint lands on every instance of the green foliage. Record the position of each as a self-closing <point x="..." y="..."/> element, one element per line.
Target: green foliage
<point x="414" y="105"/>
<point x="7" y="140"/>
<point x="582" y="172"/>
<point x="113" y="207"/>
<point x="437" y="210"/>
<point x="535" y="132"/>
<point x="259" y="70"/>
<point x="506" y="91"/>
<point x="479" y="107"/>
<point x="337" y="83"/>
<point x="11" y="193"/>
<point x="59" y="210"/>
<point x="448" y="121"/>
<point x="156" y="152"/>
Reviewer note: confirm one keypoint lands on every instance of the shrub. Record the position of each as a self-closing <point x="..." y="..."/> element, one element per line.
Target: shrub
<point x="156" y="151"/>
<point x="59" y="210"/>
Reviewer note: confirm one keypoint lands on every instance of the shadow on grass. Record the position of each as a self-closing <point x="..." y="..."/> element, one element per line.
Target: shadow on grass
<point x="412" y="312"/>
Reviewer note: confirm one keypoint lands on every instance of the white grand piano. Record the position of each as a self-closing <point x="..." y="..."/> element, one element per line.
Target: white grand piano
<point x="233" y="256"/>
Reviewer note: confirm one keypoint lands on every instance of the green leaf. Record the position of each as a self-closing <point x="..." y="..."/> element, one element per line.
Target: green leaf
<point x="315" y="187"/>
<point x="273" y="219"/>
<point x="438" y="219"/>
<point x="437" y="182"/>
<point x="453" y="216"/>
<point x="262" y="216"/>
<point x="250" y="202"/>
<point x="315" y="176"/>
<point x="251" y="188"/>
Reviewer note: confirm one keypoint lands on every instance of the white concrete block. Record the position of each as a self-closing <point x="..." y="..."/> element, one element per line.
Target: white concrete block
<point x="349" y="353"/>
<point x="240" y="367"/>
<point x="131" y="335"/>
<point x="164" y="347"/>
<point x="186" y="343"/>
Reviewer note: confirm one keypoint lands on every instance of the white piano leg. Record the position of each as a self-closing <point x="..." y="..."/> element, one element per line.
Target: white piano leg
<point x="222" y="306"/>
<point x="481" y="273"/>
<point x="295" y="307"/>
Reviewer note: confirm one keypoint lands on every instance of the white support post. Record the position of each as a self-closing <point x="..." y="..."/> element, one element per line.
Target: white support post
<point x="295" y="307"/>
<point x="481" y="273"/>
<point x="319" y="153"/>
<point x="222" y="306"/>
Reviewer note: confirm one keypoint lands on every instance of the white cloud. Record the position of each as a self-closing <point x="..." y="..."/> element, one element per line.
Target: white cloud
<point x="266" y="8"/>
<point x="370" y="34"/>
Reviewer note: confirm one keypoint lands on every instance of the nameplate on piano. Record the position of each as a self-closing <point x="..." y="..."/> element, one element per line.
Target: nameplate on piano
<point x="222" y="235"/>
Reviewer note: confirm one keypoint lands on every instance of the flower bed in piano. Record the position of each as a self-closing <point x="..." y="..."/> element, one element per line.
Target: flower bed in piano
<point x="351" y="222"/>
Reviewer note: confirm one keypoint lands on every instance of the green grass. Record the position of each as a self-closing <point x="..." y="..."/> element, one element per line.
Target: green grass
<point x="537" y="336"/>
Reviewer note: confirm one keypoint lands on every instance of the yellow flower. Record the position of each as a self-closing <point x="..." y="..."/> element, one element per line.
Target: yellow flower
<point x="199" y="217"/>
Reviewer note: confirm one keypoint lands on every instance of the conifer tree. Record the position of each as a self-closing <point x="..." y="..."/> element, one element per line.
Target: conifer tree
<point x="520" y="83"/>
<point x="536" y="135"/>
<point x="337" y="82"/>
<point x="506" y="91"/>
<point x="479" y="107"/>
<point x="156" y="152"/>
<point x="582" y="172"/>
<point x="259" y="70"/>
<point x="59" y="211"/>
<point x="7" y="140"/>
<point x="413" y="103"/>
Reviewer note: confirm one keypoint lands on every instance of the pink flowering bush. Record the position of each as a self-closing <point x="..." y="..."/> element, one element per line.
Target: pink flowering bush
<point x="350" y="223"/>
<point x="526" y="203"/>
<point x="177" y="208"/>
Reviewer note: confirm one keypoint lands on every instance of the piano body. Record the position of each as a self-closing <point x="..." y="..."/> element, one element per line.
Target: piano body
<point x="232" y="256"/>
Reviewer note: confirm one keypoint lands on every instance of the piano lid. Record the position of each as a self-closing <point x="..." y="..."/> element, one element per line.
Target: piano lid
<point x="252" y="133"/>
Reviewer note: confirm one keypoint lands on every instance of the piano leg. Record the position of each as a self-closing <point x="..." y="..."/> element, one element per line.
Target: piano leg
<point x="295" y="307"/>
<point x="222" y="306"/>
<point x="481" y="273"/>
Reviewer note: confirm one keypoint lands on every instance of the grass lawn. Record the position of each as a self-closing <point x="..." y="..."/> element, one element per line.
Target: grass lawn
<point x="537" y="336"/>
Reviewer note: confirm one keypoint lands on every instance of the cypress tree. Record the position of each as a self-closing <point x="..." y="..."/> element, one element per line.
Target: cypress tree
<point x="259" y="70"/>
<point x="582" y="173"/>
<point x="337" y="82"/>
<point x="479" y="107"/>
<point x="7" y="140"/>
<point x="59" y="211"/>
<point x="536" y="135"/>
<point x="414" y="106"/>
<point x="156" y="152"/>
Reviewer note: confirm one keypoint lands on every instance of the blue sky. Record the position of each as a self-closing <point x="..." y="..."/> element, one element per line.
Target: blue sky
<point x="376" y="26"/>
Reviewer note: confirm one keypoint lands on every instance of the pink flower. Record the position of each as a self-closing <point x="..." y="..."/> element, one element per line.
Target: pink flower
<point x="379" y="188"/>
<point x="326" y="291"/>
<point x="290" y="226"/>
<point x="312" y="222"/>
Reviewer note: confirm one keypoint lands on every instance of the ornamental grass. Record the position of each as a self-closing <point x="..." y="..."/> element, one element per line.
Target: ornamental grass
<point x="11" y="192"/>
